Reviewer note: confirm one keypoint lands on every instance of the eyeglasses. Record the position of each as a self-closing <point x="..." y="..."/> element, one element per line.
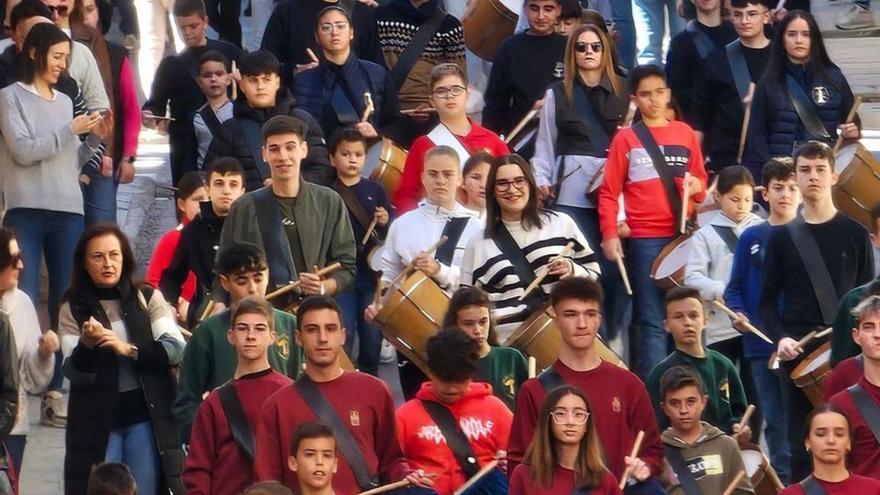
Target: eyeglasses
<point x="328" y="27"/>
<point x="581" y="47"/>
<point x="58" y="9"/>
<point x="14" y="260"/>
<point x="504" y="185"/>
<point x="450" y="92"/>
<point x="576" y="417"/>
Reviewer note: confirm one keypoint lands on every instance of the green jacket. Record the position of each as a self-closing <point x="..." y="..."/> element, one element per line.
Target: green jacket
<point x="842" y="345"/>
<point x="506" y="369"/>
<point x="209" y="361"/>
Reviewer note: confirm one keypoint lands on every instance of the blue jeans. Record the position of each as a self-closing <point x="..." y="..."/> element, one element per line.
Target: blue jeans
<point x="99" y="198"/>
<point x="653" y="15"/>
<point x="353" y="304"/>
<point x="135" y="446"/>
<point x="621" y="11"/>
<point x="770" y="402"/>
<point x="648" y="487"/>
<point x="651" y="339"/>
<point x="494" y="483"/>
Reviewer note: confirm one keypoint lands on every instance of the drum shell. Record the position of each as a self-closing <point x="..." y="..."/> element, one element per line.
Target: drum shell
<point x="389" y="162"/>
<point x="810" y="382"/>
<point x="677" y="277"/>
<point x="764" y="480"/>
<point x="858" y="186"/>
<point x="486" y="24"/>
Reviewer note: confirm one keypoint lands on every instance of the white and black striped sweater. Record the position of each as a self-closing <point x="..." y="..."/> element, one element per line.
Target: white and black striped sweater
<point x="485" y="266"/>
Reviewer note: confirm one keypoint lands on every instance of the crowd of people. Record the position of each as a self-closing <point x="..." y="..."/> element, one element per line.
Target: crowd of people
<point x="403" y="267"/>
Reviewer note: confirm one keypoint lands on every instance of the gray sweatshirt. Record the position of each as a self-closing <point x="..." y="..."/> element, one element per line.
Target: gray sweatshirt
<point x="40" y="156"/>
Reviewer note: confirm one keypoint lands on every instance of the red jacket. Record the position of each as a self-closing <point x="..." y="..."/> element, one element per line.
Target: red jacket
<point x="844" y="375"/>
<point x="853" y="485"/>
<point x="864" y="459"/>
<point x="162" y="256"/>
<point x="410" y="191"/>
<point x="483" y="418"/>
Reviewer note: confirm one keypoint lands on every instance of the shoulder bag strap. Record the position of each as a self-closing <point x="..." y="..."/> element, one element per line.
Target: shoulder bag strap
<point x="868" y="408"/>
<point x="235" y="416"/>
<point x="805" y="109"/>
<point x="353" y="455"/>
<point x="685" y="477"/>
<point x="511" y="250"/>
<point x="662" y="167"/>
<point x="353" y="205"/>
<point x="550" y="379"/>
<point x="812" y="487"/>
<point x="598" y="137"/>
<point x="726" y="234"/>
<point x="738" y="67"/>
<point x="702" y="42"/>
<point x="456" y="440"/>
<point x="342" y="106"/>
<point x="415" y="48"/>
<point x="210" y="118"/>
<point x="253" y="136"/>
<point x="814" y="264"/>
<point x="453" y="230"/>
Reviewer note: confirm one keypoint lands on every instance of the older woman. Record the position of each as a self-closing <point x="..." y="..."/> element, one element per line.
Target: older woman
<point x="120" y="343"/>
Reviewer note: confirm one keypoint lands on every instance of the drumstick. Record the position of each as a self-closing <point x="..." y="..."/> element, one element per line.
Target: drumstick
<point x="630" y="115"/>
<point x="409" y="266"/>
<point x="823" y="333"/>
<point x="622" y="267"/>
<point x="746" y="417"/>
<point x="289" y="287"/>
<point x="387" y="488"/>
<point x="475" y="478"/>
<point x="417" y="110"/>
<point x="732" y="486"/>
<point x="234" y="83"/>
<point x="522" y="123"/>
<point x="369" y="231"/>
<point x="368" y="101"/>
<point x="780" y="4"/>
<point x="751" y="328"/>
<point x="312" y="55"/>
<point x="684" y="203"/>
<point x="635" y="450"/>
<point x="849" y="119"/>
<point x="209" y="308"/>
<point x="745" y="126"/>
<point x="774" y="359"/>
<point x="535" y="283"/>
<point x="533" y="367"/>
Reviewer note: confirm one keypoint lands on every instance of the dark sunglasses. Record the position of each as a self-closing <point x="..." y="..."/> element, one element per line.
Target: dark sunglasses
<point x="581" y="47"/>
<point x="59" y="9"/>
<point x="14" y="260"/>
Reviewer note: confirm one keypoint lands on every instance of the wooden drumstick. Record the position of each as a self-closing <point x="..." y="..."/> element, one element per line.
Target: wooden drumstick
<point x="368" y="101"/>
<point x="744" y="132"/>
<point x="751" y="328"/>
<point x="234" y="83"/>
<point x="369" y="231"/>
<point x="622" y="267"/>
<point x="823" y="333"/>
<point x="637" y="445"/>
<point x="387" y="488"/>
<point x="475" y="478"/>
<point x="533" y="367"/>
<point x="684" y="203"/>
<point x="774" y="358"/>
<point x="849" y="120"/>
<point x="209" y="308"/>
<point x="522" y="123"/>
<point x="312" y="55"/>
<point x="409" y="266"/>
<point x="746" y="417"/>
<point x="630" y="115"/>
<point x="535" y="283"/>
<point x="732" y="486"/>
<point x="289" y="287"/>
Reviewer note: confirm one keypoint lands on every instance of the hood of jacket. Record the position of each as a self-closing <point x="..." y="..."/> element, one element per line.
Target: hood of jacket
<point x="709" y="432"/>
<point x="435" y="212"/>
<point x="476" y="390"/>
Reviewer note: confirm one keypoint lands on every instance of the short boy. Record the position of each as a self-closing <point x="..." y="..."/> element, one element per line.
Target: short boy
<point x="313" y="458"/>
<point x="111" y="478"/>
<point x="213" y="78"/>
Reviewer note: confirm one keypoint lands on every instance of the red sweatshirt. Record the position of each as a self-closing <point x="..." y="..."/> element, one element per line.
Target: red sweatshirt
<point x="162" y="256"/>
<point x="521" y="483"/>
<point x="864" y="459"/>
<point x="629" y="170"/>
<point x="215" y="464"/>
<point x="483" y="418"/>
<point x="410" y="191"/>
<point x="621" y="407"/>
<point x="843" y="376"/>
<point x="362" y="401"/>
<point x="853" y="485"/>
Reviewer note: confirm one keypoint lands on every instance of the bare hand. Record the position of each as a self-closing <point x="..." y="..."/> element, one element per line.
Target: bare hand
<point x="310" y="284"/>
<point x="545" y="193"/>
<point x="381" y="216"/>
<point x="182" y="309"/>
<point x="787" y="349"/>
<point x="48" y="345"/>
<point x="85" y="123"/>
<point x="104" y="126"/>
<point x="311" y="65"/>
<point x="370" y="312"/>
<point x="421" y="478"/>
<point x="106" y="166"/>
<point x="849" y="131"/>
<point x="426" y="263"/>
<point x="743" y="436"/>
<point x="150" y="122"/>
<point x="421" y="113"/>
<point x="623" y="230"/>
<point x="538" y="104"/>
<point x="126" y="172"/>
<point x="561" y="267"/>
<point x="693" y="185"/>
<point x="637" y="468"/>
<point x="366" y="129"/>
<point x="612" y="249"/>
<point x="501" y="457"/>
<point x="114" y="343"/>
<point x="91" y="333"/>
<point x="369" y="3"/>
<point x="777" y="15"/>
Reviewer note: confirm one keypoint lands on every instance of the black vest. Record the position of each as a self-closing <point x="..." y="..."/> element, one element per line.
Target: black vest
<point x="572" y="134"/>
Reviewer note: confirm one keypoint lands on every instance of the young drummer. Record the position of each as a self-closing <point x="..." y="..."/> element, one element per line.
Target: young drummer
<point x="313" y="457"/>
<point x="217" y="462"/>
<point x="699" y="454"/>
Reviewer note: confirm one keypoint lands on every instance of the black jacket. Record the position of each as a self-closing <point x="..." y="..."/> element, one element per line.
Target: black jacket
<point x="231" y="141"/>
<point x="8" y="378"/>
<point x="572" y="134"/>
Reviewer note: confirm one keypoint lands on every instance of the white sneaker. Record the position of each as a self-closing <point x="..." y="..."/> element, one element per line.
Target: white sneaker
<point x="387" y="354"/>
<point x="856" y="17"/>
<point x="53" y="410"/>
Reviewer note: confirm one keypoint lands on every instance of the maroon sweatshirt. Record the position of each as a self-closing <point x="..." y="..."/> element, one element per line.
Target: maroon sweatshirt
<point x="621" y="407"/>
<point x="843" y="376"/>
<point x="362" y="401"/>
<point x="215" y="464"/>
<point x="853" y="485"/>
<point x="521" y="483"/>
<point x="864" y="459"/>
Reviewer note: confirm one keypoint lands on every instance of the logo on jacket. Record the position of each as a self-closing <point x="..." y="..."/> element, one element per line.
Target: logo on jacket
<point x="473" y="429"/>
<point x="282" y="346"/>
<point x="559" y="70"/>
<point x="820" y="95"/>
<point x="354" y="418"/>
<point x="615" y="404"/>
<point x="703" y="466"/>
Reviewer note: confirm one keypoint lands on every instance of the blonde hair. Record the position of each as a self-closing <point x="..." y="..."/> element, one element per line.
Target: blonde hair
<point x="607" y="64"/>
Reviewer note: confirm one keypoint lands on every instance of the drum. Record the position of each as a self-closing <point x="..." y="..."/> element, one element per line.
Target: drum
<point x="539" y="337"/>
<point x="762" y="475"/>
<point x="487" y="23"/>
<point x="412" y="313"/>
<point x="858" y="186"/>
<point x="668" y="269"/>
<point x="384" y="164"/>
<point x="808" y="375"/>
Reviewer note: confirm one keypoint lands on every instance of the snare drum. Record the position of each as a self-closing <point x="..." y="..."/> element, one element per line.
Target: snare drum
<point x="668" y="269"/>
<point x="762" y="475"/>
<point x="808" y="375"/>
<point x="858" y="188"/>
<point x="487" y="23"/>
<point x="384" y="164"/>
<point x="412" y="313"/>
<point x="539" y="337"/>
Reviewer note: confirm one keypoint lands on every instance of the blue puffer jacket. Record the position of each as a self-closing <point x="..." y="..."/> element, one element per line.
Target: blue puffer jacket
<point x="774" y="126"/>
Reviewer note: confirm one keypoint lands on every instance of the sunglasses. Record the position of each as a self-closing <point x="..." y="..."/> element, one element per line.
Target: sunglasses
<point x="581" y="47"/>
<point x="57" y="9"/>
<point x="14" y="260"/>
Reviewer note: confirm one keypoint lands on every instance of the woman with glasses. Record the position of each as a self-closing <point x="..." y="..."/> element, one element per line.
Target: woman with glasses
<point x="120" y="342"/>
<point x="521" y="242"/>
<point x="564" y="455"/>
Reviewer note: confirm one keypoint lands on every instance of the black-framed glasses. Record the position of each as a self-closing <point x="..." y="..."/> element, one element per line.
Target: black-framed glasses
<point x="576" y="417"/>
<point x="503" y="185"/>
<point x="450" y="92"/>
<point x="581" y="47"/>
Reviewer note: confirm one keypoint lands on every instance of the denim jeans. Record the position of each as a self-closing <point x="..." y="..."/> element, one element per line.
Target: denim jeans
<point x="494" y="483"/>
<point x="622" y="13"/>
<point x="653" y="15"/>
<point x="99" y="198"/>
<point x="648" y="487"/>
<point x="651" y="339"/>
<point x="770" y="402"/>
<point x="369" y="337"/>
<point x="797" y="407"/>
<point x="135" y="446"/>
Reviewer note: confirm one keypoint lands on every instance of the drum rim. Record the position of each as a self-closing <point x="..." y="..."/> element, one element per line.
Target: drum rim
<point x="823" y="348"/>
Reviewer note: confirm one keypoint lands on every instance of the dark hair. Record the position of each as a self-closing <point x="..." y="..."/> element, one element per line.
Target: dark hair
<point x="253" y="306"/>
<point x="188" y="184"/>
<point x="41" y="38"/>
<point x="813" y="150"/>
<point x="314" y="303"/>
<point x="594" y="17"/>
<point x="679" y="377"/>
<point x="214" y="56"/>
<point x="821" y="409"/>
<point x="453" y="355"/>
<point x="284" y="124"/>
<point x="780" y="168"/>
<point x="27" y="9"/>
<point x="258" y="63"/>
<point x="80" y="281"/>
<point x="111" y="478"/>
<point x="332" y="8"/>
<point x="732" y="176"/>
<point x="465" y="297"/>
<point x="309" y="430"/>
<point x="571" y="9"/>
<point x="777" y="66"/>
<point x="578" y="288"/>
<point x="447" y="69"/>
<point x="741" y="4"/>
<point x="185" y="8"/>
<point x="875" y="215"/>
<point x="267" y="488"/>
<point x="475" y="160"/>
<point x="224" y="165"/>
<point x="6" y="237"/>
<point x="679" y="294"/>
<point x="345" y="135"/>
<point x="531" y="216"/>
<point x="240" y="257"/>
<point x="642" y="72"/>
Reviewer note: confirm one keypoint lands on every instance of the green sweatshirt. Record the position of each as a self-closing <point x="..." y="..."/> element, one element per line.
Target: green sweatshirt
<point x="209" y="361"/>
<point x="727" y="397"/>
<point x="842" y="345"/>
<point x="506" y="369"/>
<point x="714" y="461"/>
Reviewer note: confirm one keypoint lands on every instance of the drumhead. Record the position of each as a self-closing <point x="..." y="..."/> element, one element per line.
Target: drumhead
<point x="372" y="159"/>
<point x="374" y="257"/>
<point x="821" y="359"/>
<point x="752" y="460"/>
<point x="844" y="157"/>
<point x="676" y="259"/>
<point x="514" y="6"/>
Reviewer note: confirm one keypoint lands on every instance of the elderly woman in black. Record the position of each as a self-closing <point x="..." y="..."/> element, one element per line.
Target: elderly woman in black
<point x="120" y="342"/>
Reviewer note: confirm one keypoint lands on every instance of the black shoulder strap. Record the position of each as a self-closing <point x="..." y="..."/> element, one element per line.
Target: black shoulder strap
<point x="738" y="67"/>
<point x="235" y="416"/>
<point x="210" y="118"/>
<point x="275" y="243"/>
<point x="805" y="109"/>
<point x="253" y="136"/>
<point x="353" y="205"/>
<point x="415" y="48"/>
<point x="511" y="250"/>
<point x="353" y="455"/>
<point x="726" y="234"/>
<point x="702" y="42"/>
<point x="812" y="487"/>
<point x="550" y="379"/>
<point x="598" y="137"/>
<point x="456" y="440"/>
<point x="685" y="478"/>
<point x="453" y="230"/>
<point x="814" y="264"/>
<point x="868" y="408"/>
<point x="342" y="106"/>
<point x="663" y="169"/>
